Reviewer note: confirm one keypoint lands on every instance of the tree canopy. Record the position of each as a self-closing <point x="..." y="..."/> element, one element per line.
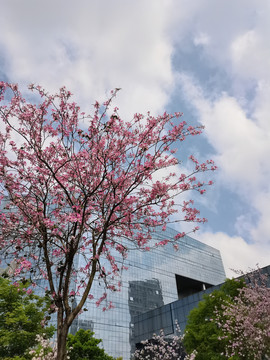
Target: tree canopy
<point x="83" y="346"/>
<point x="202" y="332"/>
<point x="21" y="314"/>
<point x="90" y="186"/>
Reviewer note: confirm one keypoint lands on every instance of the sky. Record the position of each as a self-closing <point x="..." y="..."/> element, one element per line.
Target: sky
<point x="208" y="59"/>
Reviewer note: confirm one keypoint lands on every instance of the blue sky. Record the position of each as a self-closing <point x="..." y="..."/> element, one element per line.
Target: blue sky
<point x="209" y="59"/>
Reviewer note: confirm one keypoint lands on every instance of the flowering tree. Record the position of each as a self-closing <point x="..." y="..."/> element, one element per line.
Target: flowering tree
<point x="246" y="321"/>
<point x="44" y="349"/>
<point x="90" y="186"/>
<point x="161" y="347"/>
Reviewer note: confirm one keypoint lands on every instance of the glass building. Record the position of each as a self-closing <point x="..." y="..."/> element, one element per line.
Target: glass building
<point x="153" y="279"/>
<point x="168" y="316"/>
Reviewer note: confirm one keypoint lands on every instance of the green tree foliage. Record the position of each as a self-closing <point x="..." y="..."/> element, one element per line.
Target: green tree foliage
<point x="202" y="332"/>
<point x="21" y="314"/>
<point x="83" y="346"/>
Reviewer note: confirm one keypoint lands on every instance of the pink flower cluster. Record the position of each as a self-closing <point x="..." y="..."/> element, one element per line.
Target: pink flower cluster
<point x="247" y="320"/>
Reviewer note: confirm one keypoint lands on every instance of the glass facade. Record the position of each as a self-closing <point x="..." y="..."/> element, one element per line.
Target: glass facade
<point x="166" y="317"/>
<point x="153" y="279"/>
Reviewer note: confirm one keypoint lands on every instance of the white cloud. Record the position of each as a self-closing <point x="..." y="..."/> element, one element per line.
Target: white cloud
<point x="201" y="39"/>
<point x="222" y="21"/>
<point x="250" y="55"/>
<point x="241" y="145"/>
<point x="236" y="253"/>
<point x="91" y="47"/>
<point x="237" y="121"/>
<point x="262" y="230"/>
<point x="262" y="105"/>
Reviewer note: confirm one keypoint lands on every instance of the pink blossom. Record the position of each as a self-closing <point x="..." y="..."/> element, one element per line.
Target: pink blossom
<point x="77" y="190"/>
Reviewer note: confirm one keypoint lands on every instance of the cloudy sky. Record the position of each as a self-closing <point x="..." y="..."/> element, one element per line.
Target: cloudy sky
<point x="209" y="59"/>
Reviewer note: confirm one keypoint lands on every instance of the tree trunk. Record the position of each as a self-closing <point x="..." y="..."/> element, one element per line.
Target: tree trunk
<point x="62" y="333"/>
<point x="62" y="343"/>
